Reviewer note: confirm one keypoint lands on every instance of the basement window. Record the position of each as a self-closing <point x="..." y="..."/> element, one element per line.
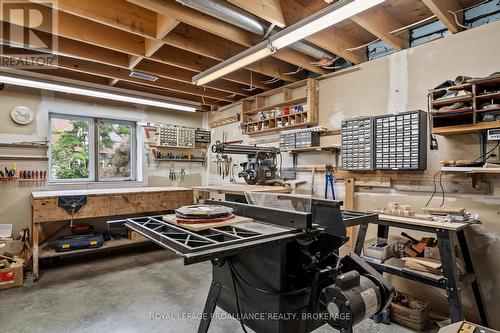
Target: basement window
<point x="378" y="49"/>
<point x="85" y="149"/>
<point x="428" y="33"/>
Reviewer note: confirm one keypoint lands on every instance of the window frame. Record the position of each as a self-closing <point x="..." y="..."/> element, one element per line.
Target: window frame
<point x="94" y="176"/>
<point x="133" y="150"/>
<point x="91" y="166"/>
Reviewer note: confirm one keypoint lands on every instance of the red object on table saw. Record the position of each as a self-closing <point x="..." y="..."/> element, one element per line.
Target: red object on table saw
<point x="182" y="220"/>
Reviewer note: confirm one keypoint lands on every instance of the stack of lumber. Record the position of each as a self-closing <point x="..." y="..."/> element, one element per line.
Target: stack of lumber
<point x="424" y="265"/>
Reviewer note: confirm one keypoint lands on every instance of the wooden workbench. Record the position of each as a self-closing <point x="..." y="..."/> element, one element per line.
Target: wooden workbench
<point x="238" y="190"/>
<point x="103" y="203"/>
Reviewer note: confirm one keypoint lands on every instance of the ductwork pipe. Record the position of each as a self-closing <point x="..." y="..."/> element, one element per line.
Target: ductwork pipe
<point x="226" y="12"/>
<point x="236" y="16"/>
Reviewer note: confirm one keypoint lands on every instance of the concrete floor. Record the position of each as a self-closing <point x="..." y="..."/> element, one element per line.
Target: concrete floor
<point x="120" y="294"/>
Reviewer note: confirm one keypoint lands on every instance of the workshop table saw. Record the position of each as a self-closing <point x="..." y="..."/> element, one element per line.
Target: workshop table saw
<point x="280" y="272"/>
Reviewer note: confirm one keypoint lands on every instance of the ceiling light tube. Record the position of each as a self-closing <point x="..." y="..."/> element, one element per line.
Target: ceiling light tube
<point x="239" y="61"/>
<point x="321" y="20"/>
<point x="93" y="93"/>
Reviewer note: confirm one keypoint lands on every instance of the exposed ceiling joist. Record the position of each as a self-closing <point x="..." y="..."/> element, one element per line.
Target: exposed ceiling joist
<point x="151" y="67"/>
<point x="69" y="47"/>
<point x="114" y="13"/>
<point x="442" y="9"/>
<point x="221" y="29"/>
<point x="100" y="55"/>
<point x="206" y="104"/>
<point x="77" y="28"/>
<point x="96" y="81"/>
<point x="269" y="10"/>
<point x="128" y="17"/>
<point x="380" y="23"/>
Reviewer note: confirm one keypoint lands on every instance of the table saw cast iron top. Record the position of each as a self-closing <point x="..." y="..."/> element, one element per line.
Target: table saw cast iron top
<point x="282" y="271"/>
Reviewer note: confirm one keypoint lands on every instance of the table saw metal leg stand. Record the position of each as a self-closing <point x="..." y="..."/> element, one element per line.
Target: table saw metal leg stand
<point x="469" y="267"/>
<point x="448" y="260"/>
<point x="211" y="303"/>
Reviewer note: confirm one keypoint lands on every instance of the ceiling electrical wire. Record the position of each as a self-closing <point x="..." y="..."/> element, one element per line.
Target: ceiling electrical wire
<point x="456" y="20"/>
<point x="271" y="81"/>
<point x="357" y="48"/>
<point x="251" y="87"/>
<point x="299" y="69"/>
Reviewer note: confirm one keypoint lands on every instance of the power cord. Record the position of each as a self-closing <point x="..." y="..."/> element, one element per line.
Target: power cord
<point x="440" y="173"/>
<point x="240" y="319"/>
<point x="485" y="155"/>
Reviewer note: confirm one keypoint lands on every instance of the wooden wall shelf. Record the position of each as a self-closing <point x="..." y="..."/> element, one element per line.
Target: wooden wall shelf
<point x="486" y="90"/>
<point x="465" y="129"/>
<point x="312" y="149"/>
<point x="197" y="160"/>
<point x="251" y="106"/>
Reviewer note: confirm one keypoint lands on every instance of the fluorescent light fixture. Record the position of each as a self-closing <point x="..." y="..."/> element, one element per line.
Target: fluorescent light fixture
<point x="243" y="61"/>
<point x="93" y="93"/>
<point x="143" y="76"/>
<point x="321" y="20"/>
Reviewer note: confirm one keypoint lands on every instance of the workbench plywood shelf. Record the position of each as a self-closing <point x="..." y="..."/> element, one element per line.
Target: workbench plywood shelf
<point x="294" y="110"/>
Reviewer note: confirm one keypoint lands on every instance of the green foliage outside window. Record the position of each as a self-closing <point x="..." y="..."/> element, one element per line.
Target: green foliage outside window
<point x="70" y="151"/>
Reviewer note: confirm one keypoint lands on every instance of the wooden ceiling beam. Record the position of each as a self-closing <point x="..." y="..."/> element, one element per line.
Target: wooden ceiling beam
<point x="269" y="10"/>
<point x="203" y="101"/>
<point x="73" y="48"/>
<point x="113" y="13"/>
<point x="141" y="21"/>
<point x="330" y="39"/>
<point x="222" y="29"/>
<point x="379" y="22"/>
<point x="77" y="28"/>
<point x="442" y="9"/>
<point x="82" y="51"/>
<point x="167" y="71"/>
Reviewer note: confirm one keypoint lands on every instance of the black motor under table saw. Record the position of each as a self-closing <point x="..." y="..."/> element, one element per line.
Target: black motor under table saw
<point x="282" y="271"/>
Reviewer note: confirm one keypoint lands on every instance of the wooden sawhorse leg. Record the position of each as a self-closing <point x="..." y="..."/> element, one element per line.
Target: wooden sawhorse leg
<point x="35" y="236"/>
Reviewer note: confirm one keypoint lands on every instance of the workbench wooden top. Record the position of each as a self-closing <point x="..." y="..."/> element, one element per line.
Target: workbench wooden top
<point x="242" y="188"/>
<point x="104" y="191"/>
<point x="453" y="226"/>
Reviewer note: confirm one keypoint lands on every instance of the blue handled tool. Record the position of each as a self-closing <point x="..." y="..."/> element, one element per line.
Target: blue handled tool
<point x="329" y="180"/>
